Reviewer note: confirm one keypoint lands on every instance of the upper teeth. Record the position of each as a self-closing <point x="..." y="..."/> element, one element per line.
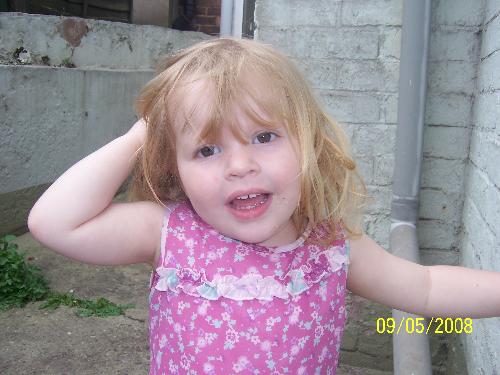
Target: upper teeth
<point x="248" y="196"/>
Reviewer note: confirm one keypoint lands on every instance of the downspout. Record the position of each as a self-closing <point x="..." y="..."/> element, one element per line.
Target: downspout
<point x="411" y="351"/>
<point x="226" y="18"/>
<point x="231" y="18"/>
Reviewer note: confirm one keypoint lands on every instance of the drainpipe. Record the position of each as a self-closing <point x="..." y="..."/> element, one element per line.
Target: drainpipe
<point x="231" y="18"/>
<point x="411" y="351"/>
<point x="226" y="18"/>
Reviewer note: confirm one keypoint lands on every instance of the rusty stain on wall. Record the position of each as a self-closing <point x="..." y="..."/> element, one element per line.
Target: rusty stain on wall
<point x="73" y="31"/>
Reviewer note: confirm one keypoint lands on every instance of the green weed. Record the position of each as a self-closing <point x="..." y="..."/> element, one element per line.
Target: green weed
<point x="21" y="283"/>
<point x="100" y="307"/>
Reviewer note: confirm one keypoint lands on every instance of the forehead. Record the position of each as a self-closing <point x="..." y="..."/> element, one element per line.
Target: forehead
<point x="200" y="113"/>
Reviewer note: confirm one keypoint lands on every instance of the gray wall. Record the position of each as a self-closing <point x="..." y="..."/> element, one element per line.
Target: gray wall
<point x="52" y="116"/>
<point x="349" y="51"/>
<point x="480" y="240"/>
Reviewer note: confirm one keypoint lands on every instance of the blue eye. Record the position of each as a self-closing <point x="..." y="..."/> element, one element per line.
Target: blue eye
<point x="205" y="151"/>
<point x="265" y="137"/>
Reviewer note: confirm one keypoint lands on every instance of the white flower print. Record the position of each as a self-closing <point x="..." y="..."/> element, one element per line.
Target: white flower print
<point x="237" y="368"/>
<point x="294" y="350"/>
<point x="265" y="345"/>
<point x="202" y="309"/>
<point x="163" y="341"/>
<point x="189" y="243"/>
<point x="221" y="251"/>
<point x="318" y="332"/>
<point x="225" y="316"/>
<point x="255" y="340"/>
<point x="232" y="336"/>
<point x="181" y="236"/>
<point x="208" y="367"/>
<point x="158" y="359"/>
<point x="323" y="354"/>
<point x="181" y="306"/>
<point x="171" y="366"/>
<point x="241" y="364"/>
<point x="301" y="370"/>
<point x="270" y="322"/>
<point x="185" y="363"/>
<point x="303" y="340"/>
<point x="294" y="316"/>
<point x="314" y="251"/>
<point x="177" y="328"/>
<point x="201" y="342"/>
<point x="322" y="291"/>
<point x="274" y="257"/>
<point x="210" y="337"/>
<point x="242" y="250"/>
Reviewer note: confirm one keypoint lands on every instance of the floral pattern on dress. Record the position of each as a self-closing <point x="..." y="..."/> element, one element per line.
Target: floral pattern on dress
<point x="219" y="305"/>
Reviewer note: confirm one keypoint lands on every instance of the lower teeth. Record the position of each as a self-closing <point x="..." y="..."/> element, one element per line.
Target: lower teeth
<point x="251" y="207"/>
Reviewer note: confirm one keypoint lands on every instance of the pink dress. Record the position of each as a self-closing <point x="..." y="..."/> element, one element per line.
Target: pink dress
<point x="223" y="306"/>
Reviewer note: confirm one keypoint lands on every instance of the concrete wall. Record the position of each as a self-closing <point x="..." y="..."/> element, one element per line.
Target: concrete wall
<point x="480" y="242"/>
<point x="52" y="116"/>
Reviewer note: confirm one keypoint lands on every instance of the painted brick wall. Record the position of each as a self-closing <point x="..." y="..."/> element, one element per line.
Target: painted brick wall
<point x="453" y="55"/>
<point x="349" y="51"/>
<point x="480" y="245"/>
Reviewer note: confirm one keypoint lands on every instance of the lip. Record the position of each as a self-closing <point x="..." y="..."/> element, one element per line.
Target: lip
<point x="245" y="192"/>
<point x="251" y="214"/>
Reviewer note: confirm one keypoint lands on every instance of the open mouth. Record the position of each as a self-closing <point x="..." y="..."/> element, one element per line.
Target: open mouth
<point x="251" y="202"/>
<point x="250" y="208"/>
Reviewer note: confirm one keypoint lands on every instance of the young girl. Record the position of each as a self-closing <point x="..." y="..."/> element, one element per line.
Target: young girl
<point x="247" y="205"/>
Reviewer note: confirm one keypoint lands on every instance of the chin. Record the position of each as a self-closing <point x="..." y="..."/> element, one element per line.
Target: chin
<point x="245" y="237"/>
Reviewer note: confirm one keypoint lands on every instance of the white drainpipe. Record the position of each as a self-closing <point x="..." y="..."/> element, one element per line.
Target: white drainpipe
<point x="231" y="18"/>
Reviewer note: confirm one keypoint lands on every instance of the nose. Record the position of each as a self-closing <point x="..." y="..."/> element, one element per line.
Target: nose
<point x="241" y="161"/>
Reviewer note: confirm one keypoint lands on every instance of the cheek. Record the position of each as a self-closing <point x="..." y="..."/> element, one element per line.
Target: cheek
<point x="199" y="181"/>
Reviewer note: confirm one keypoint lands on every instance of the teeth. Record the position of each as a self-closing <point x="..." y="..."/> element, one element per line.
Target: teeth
<point x="248" y="196"/>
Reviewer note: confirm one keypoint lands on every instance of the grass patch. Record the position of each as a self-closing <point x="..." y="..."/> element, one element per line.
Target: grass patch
<point x="100" y="307"/>
<point x="21" y="283"/>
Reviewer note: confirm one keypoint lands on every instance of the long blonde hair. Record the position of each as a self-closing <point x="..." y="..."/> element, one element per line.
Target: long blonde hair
<point x="332" y="192"/>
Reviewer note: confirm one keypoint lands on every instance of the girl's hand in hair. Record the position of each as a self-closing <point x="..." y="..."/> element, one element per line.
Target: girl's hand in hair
<point x="138" y="131"/>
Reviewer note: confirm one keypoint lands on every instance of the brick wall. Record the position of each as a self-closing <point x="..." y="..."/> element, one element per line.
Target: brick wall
<point x="480" y="243"/>
<point x="207" y="17"/>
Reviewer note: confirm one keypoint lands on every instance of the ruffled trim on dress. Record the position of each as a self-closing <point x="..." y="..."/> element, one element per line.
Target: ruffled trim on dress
<point x="252" y="285"/>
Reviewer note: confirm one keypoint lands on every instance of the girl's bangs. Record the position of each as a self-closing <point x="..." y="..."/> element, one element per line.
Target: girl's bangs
<point x="259" y="102"/>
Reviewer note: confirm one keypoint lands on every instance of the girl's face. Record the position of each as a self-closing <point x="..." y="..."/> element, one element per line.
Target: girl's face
<point x="212" y="173"/>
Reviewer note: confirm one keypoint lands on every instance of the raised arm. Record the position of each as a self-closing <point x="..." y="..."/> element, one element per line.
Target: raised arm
<point x="75" y="216"/>
<point x="432" y="291"/>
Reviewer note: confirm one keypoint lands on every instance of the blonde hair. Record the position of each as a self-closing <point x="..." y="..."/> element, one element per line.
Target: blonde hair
<point x="241" y="71"/>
